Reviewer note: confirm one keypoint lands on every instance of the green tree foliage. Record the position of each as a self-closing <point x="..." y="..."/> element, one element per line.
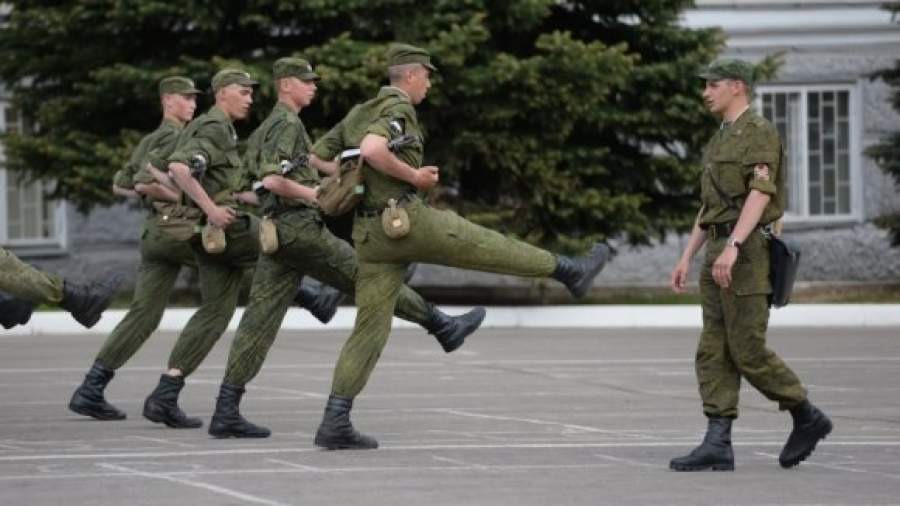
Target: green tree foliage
<point x="887" y="152"/>
<point x="558" y="121"/>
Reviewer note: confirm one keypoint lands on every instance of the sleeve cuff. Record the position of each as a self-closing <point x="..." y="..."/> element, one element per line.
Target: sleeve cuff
<point x="767" y="187"/>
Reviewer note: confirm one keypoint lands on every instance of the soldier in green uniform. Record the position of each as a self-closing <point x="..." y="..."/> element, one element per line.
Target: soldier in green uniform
<point x="435" y="236"/>
<point x="22" y="286"/>
<point x="742" y="190"/>
<point x="162" y="257"/>
<point x="211" y="140"/>
<point x="306" y="247"/>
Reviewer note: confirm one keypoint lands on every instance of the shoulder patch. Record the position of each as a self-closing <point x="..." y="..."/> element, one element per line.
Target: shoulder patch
<point x="398" y="126"/>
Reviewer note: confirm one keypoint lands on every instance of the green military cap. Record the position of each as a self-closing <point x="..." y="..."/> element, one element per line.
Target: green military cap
<point x="729" y="68"/>
<point x="177" y="84"/>
<point x="401" y="54"/>
<point x="294" y="67"/>
<point x="225" y="77"/>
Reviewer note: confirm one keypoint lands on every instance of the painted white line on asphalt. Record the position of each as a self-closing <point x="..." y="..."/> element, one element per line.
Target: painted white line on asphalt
<point x="296" y="465"/>
<point x="197" y="484"/>
<point x="455" y="365"/>
<point x="163" y="441"/>
<point x="625" y="461"/>
<point x="570" y="428"/>
<point x="835" y="467"/>
<point x="461" y="463"/>
<point x="429" y="447"/>
<point x="261" y="388"/>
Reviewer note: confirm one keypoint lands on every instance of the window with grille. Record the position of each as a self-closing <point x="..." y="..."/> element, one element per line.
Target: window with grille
<point x="27" y="218"/>
<point x="818" y="126"/>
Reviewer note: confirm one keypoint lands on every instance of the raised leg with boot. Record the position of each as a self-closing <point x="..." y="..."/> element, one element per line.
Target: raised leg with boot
<point x="162" y="405"/>
<point x="336" y="432"/>
<point x="451" y="331"/>
<point x="321" y="303"/>
<point x="88" y="399"/>
<point x="810" y="426"/>
<point x="714" y="453"/>
<point x="578" y="273"/>
<point x="227" y="420"/>
<point x="87" y="302"/>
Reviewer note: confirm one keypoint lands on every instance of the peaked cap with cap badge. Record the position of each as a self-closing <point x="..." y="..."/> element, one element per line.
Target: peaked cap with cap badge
<point x="225" y="77"/>
<point x="402" y="54"/>
<point x="294" y="67"/>
<point x="177" y="84"/>
<point x="729" y="68"/>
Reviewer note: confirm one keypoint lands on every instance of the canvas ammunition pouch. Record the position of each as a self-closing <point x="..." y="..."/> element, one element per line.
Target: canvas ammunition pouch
<point x="268" y="235"/>
<point x="213" y="239"/>
<point x="176" y="221"/>
<point x="342" y="191"/>
<point x="395" y="220"/>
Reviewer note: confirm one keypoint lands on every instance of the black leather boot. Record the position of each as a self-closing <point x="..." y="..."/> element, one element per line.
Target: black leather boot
<point x="810" y="426"/>
<point x="227" y="420"/>
<point x="714" y="453"/>
<point x="87" y="302"/>
<point x="14" y="311"/>
<point x="451" y="331"/>
<point x="162" y="405"/>
<point x="88" y="399"/>
<point x="336" y="432"/>
<point x="321" y="303"/>
<point x="578" y="273"/>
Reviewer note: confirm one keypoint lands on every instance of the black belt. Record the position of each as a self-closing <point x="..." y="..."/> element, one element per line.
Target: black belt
<point x="368" y="212"/>
<point x="719" y="230"/>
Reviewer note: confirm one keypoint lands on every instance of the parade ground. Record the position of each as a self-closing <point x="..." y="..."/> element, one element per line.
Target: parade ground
<point x="520" y="416"/>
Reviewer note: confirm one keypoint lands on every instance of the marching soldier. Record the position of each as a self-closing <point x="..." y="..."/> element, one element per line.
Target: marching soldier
<point x="162" y="257"/>
<point x="305" y="247"/>
<point x="433" y="236"/>
<point x="741" y="190"/>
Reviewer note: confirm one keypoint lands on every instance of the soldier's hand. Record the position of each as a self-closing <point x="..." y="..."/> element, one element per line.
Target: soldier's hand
<point x="426" y="177"/>
<point x="221" y="216"/>
<point x="678" y="278"/>
<point x="721" y="269"/>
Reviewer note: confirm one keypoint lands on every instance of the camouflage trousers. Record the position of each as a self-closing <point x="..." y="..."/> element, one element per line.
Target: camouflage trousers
<point x="220" y="283"/>
<point x="733" y="341"/>
<point x="436" y="237"/>
<point x="28" y="283"/>
<point x="306" y="247"/>
<point x="161" y="260"/>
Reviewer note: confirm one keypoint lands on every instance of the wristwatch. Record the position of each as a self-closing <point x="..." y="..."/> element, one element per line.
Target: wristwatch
<point x="733" y="242"/>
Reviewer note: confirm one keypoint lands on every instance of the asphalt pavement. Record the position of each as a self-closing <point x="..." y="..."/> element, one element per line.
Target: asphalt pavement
<point x="518" y="416"/>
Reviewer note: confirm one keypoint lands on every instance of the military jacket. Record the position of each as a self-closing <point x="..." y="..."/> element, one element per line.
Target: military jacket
<point x="390" y="115"/>
<point x="160" y="140"/>
<point x="280" y="137"/>
<point x="213" y="137"/>
<point x="730" y="158"/>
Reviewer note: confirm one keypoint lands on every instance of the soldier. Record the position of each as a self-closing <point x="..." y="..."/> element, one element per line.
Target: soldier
<point x="210" y="138"/>
<point x="162" y="257"/>
<point x="22" y="286"/>
<point x="434" y="236"/>
<point x="306" y="247"/>
<point x="741" y="190"/>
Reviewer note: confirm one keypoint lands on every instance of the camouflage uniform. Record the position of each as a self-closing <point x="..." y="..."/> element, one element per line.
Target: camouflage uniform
<point x="733" y="342"/>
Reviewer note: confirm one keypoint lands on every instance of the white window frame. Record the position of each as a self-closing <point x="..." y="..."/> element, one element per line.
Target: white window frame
<point x="59" y="238"/>
<point x="801" y="175"/>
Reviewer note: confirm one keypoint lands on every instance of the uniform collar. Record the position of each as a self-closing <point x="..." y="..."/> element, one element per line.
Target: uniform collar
<point x="744" y="114"/>
<point x="219" y="114"/>
<point x="283" y="108"/>
<point x="395" y="91"/>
